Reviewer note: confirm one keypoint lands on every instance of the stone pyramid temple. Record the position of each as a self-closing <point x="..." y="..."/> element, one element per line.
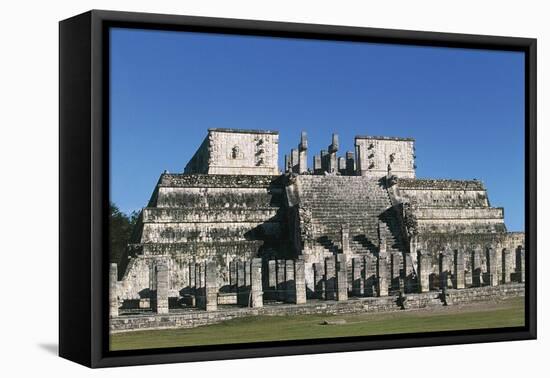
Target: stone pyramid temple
<point x="356" y="231"/>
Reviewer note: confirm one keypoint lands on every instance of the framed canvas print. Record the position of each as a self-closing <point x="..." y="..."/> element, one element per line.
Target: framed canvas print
<point x="234" y="188"/>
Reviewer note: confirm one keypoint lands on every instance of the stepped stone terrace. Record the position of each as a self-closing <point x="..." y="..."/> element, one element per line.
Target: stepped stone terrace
<point x="234" y="236"/>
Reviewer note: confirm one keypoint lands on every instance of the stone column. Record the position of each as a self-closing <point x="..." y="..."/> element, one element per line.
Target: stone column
<point x="520" y="263"/>
<point x="370" y="276"/>
<point x="424" y="271"/>
<point x="382" y="273"/>
<point x="317" y="165"/>
<point x="332" y="149"/>
<point x="247" y="276"/>
<point x="191" y="290"/>
<point x="458" y="274"/>
<point x="211" y="287"/>
<point x="476" y="268"/>
<point x="344" y="239"/>
<point x="358" y="285"/>
<point x="324" y="161"/>
<point x="294" y="160"/>
<point x="288" y="164"/>
<point x="444" y="273"/>
<point x="395" y="270"/>
<point x="161" y="302"/>
<point x="350" y="163"/>
<point x="300" y="281"/>
<point x="152" y="280"/>
<point x="242" y="292"/>
<point x="319" y="280"/>
<point x="506" y="265"/>
<point x="342" y="165"/>
<point x="330" y="278"/>
<point x="233" y="276"/>
<point x="191" y="267"/>
<point x="272" y="279"/>
<point x="492" y="266"/>
<point x="302" y="152"/>
<point x="290" y="281"/>
<point x="113" y="297"/>
<point x="257" y="294"/>
<point x="341" y="277"/>
<point x="199" y="286"/>
<point x="281" y="280"/>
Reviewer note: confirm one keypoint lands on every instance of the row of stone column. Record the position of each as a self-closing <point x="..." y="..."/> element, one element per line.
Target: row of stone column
<point x="286" y="281"/>
<point x="202" y="281"/>
<point x="370" y="276"/>
<point x="326" y="161"/>
<point x="245" y="278"/>
<point x="296" y="162"/>
<point x="452" y="268"/>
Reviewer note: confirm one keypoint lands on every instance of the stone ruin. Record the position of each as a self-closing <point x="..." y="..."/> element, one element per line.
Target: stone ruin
<point x="233" y="231"/>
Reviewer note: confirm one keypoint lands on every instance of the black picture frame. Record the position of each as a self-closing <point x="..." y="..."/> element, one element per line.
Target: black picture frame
<point x="84" y="186"/>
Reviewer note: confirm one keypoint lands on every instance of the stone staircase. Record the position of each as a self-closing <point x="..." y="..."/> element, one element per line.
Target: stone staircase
<point x="361" y="203"/>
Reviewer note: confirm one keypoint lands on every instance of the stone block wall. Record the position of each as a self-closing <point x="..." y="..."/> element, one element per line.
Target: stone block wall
<point x="378" y="156"/>
<point x="449" y="206"/>
<point x="468" y="243"/>
<point x="237" y="152"/>
<point x="198" y="218"/>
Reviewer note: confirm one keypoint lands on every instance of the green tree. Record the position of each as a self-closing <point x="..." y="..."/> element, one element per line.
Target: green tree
<point x="121" y="227"/>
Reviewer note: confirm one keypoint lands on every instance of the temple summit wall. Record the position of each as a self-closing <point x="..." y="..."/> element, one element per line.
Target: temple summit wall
<point x="237" y="152"/>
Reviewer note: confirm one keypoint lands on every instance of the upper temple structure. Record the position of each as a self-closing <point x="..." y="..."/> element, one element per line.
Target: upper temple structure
<point x="351" y="227"/>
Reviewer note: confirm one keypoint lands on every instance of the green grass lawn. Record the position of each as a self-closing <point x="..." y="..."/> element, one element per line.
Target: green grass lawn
<point x="509" y="313"/>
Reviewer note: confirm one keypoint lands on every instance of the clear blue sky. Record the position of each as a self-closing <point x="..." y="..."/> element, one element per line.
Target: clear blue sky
<point x="463" y="107"/>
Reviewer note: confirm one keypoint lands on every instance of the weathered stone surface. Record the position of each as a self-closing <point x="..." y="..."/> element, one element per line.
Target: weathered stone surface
<point x="281" y="280"/>
<point x="445" y="260"/>
<point x="507" y="264"/>
<point x="113" y="298"/>
<point x="476" y="267"/>
<point x="161" y="280"/>
<point x="243" y="289"/>
<point x="256" y="283"/>
<point x="492" y="266"/>
<point x="458" y="271"/>
<point x="424" y="271"/>
<point x="344" y="239"/>
<point x="233" y="283"/>
<point x="272" y="280"/>
<point x="350" y="163"/>
<point x="376" y="156"/>
<point x="237" y="152"/>
<point x="290" y="282"/>
<point x="317" y="166"/>
<point x="319" y="280"/>
<point x="232" y="230"/>
<point x="520" y="263"/>
<point x="358" y="280"/>
<point x="330" y="278"/>
<point x="300" y="281"/>
<point x="211" y="287"/>
<point x="383" y="274"/>
<point x="395" y="270"/>
<point x="341" y="278"/>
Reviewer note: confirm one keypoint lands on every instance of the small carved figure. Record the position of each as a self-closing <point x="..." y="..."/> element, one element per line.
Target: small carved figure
<point x="235" y="151"/>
